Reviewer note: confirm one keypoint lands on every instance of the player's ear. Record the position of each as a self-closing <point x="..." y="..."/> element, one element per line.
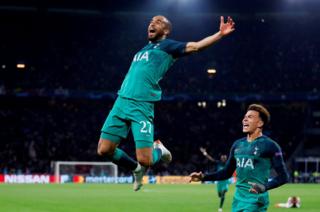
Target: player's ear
<point x="260" y="124"/>
<point x="166" y="32"/>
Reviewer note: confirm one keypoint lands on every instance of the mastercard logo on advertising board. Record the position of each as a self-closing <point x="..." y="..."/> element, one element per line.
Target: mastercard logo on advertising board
<point x="78" y="179"/>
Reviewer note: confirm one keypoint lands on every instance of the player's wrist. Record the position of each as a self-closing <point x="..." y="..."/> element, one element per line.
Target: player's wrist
<point x="220" y="34"/>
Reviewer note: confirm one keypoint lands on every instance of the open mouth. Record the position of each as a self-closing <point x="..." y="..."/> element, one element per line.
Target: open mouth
<point x="151" y="31"/>
<point x="245" y="125"/>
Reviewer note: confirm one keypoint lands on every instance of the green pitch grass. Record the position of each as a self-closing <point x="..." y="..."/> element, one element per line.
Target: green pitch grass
<point x="152" y="198"/>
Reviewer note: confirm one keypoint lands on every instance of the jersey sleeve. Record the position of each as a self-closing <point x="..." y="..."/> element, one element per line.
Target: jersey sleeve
<point x="278" y="165"/>
<point x="227" y="171"/>
<point x="174" y="48"/>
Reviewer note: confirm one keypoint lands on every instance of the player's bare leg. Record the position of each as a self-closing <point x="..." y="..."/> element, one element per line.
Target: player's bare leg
<point x="144" y="157"/>
<point x="110" y="150"/>
<point x="147" y="157"/>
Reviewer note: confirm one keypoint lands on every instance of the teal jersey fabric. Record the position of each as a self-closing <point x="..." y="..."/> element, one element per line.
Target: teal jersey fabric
<point x="148" y="67"/>
<point x="253" y="162"/>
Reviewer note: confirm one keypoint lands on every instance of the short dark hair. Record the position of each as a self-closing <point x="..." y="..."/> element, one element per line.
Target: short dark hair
<point x="263" y="112"/>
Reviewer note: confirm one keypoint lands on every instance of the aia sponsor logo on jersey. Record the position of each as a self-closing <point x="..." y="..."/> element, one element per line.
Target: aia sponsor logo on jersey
<point x="245" y="163"/>
<point x="140" y="56"/>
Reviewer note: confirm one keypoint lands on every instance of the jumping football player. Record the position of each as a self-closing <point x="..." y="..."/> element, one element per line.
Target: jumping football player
<point x="134" y="107"/>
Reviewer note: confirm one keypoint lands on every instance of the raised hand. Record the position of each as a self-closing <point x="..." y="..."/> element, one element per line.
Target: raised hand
<point x="203" y="150"/>
<point x="228" y="27"/>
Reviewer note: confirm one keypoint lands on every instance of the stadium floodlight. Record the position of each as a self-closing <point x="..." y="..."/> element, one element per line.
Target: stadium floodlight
<point x="222" y="103"/>
<point x="202" y="104"/>
<point x="21" y="65"/>
<point x="84" y="171"/>
<point x="212" y="71"/>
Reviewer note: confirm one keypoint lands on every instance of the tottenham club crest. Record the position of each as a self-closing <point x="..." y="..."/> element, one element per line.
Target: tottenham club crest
<point x="256" y="149"/>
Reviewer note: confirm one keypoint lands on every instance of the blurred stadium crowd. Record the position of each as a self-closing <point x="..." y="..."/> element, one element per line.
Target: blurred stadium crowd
<point x="53" y="108"/>
<point x="268" y="54"/>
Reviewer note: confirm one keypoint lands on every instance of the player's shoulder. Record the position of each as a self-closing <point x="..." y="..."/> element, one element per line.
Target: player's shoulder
<point x="270" y="142"/>
<point x="172" y="47"/>
<point x="239" y="141"/>
<point x="169" y="43"/>
<point x="267" y="139"/>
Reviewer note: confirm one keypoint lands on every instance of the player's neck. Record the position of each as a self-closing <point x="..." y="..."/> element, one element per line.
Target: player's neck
<point x="158" y="40"/>
<point x="252" y="136"/>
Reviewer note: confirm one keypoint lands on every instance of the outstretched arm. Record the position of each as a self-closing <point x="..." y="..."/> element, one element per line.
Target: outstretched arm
<point x="204" y="152"/>
<point x="225" y="29"/>
<point x="223" y="174"/>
